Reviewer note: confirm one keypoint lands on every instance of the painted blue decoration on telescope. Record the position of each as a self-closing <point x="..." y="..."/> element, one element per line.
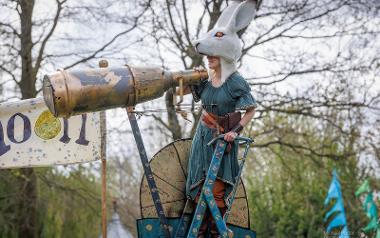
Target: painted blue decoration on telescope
<point x="338" y="208"/>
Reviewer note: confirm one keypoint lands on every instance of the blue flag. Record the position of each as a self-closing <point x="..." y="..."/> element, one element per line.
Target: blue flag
<point x="370" y="208"/>
<point x="339" y="220"/>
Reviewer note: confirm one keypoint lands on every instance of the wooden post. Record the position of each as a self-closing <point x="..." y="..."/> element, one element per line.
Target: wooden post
<point x="104" y="174"/>
<point x="103" y="129"/>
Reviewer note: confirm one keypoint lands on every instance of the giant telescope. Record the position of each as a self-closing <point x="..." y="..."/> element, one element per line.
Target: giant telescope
<point x="68" y="93"/>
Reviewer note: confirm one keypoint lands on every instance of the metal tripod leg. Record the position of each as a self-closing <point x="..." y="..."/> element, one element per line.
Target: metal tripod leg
<point x="148" y="173"/>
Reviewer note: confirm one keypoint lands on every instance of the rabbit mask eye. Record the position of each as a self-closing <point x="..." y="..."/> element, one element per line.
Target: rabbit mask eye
<point x="219" y="34"/>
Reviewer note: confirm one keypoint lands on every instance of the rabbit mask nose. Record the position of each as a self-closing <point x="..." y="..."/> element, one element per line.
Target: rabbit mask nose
<point x="196" y="44"/>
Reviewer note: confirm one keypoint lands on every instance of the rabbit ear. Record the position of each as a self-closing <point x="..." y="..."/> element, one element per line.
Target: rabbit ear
<point x="225" y="17"/>
<point x="242" y="15"/>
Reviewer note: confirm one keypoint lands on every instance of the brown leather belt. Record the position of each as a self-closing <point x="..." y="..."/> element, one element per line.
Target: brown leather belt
<point x="212" y="121"/>
<point x="220" y="123"/>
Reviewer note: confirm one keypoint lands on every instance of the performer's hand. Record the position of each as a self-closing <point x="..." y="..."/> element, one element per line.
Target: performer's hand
<point x="230" y="136"/>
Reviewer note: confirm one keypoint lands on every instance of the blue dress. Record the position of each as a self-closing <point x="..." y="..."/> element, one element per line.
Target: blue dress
<point x="234" y="94"/>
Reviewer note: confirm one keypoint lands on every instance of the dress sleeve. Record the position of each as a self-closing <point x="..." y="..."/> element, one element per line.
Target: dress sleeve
<point x="240" y="90"/>
<point x="196" y="90"/>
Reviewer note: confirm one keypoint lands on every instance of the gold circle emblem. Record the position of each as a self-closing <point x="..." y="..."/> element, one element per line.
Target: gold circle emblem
<point x="47" y="126"/>
<point x="149" y="227"/>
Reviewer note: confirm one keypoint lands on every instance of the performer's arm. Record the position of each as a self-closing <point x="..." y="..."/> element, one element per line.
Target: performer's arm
<point x="247" y="116"/>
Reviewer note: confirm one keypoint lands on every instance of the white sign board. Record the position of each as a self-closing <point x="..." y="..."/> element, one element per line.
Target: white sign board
<point x="30" y="136"/>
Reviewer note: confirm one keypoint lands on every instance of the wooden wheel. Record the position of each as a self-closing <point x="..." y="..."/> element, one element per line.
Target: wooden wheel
<point x="169" y="167"/>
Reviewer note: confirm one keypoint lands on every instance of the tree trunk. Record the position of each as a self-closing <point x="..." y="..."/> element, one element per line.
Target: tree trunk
<point x="27" y="200"/>
<point x="27" y="204"/>
<point x="28" y="76"/>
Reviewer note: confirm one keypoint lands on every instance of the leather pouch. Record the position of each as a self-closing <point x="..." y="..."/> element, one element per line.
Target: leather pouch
<point x="228" y="122"/>
<point x="233" y="118"/>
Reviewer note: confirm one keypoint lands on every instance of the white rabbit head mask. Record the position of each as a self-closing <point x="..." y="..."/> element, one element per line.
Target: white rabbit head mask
<point x="223" y="40"/>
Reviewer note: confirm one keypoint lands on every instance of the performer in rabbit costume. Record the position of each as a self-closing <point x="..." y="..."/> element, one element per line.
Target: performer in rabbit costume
<point x="224" y="93"/>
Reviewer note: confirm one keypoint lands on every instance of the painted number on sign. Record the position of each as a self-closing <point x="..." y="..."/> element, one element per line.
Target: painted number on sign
<point x="27" y="132"/>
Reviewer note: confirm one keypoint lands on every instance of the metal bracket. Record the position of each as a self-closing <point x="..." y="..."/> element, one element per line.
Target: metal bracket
<point x="181" y="91"/>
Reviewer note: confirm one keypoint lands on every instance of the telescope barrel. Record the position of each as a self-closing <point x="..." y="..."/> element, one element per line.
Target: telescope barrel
<point x="74" y="92"/>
